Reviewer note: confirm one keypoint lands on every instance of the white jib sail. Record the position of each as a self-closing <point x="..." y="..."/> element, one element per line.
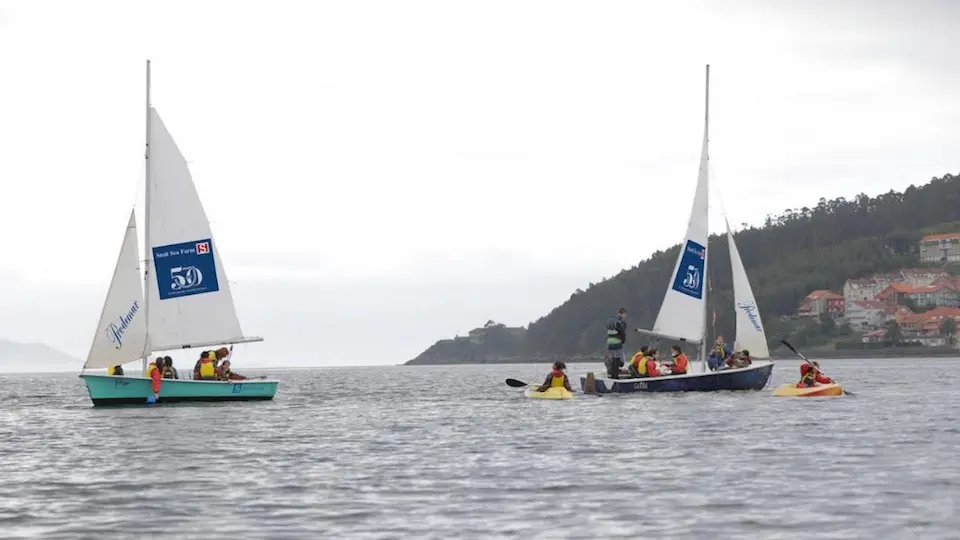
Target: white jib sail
<point x="750" y="335"/>
<point x="682" y="312"/>
<point x="190" y="301"/>
<point x="122" y="331"/>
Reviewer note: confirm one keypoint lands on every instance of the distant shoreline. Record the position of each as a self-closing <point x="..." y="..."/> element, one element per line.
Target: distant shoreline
<point x="827" y="354"/>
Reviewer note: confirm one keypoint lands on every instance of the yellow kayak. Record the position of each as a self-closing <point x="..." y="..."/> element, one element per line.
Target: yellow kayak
<point x="556" y="392"/>
<point x="791" y="390"/>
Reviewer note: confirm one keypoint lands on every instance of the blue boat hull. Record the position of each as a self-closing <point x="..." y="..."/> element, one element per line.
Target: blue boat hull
<point x="114" y="390"/>
<point x="753" y="377"/>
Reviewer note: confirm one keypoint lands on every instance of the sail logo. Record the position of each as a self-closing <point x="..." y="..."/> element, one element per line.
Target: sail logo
<point x="692" y="279"/>
<point x="185" y="278"/>
<point x="750" y="310"/>
<point x="185" y="269"/>
<point x="115" y="330"/>
<point x="688" y="279"/>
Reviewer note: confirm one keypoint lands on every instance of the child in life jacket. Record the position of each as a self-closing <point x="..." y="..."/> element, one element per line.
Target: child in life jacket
<point x="556" y="378"/>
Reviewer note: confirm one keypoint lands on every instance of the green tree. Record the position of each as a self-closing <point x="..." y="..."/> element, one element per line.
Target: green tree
<point x="948" y="329"/>
<point x="894" y="332"/>
<point x="819" y="246"/>
<point x="828" y="326"/>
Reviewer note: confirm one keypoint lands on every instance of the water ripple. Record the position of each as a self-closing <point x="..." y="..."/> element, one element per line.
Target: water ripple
<point x="451" y="452"/>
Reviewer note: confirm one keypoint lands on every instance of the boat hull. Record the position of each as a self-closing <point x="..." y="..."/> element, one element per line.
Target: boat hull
<point x="824" y="390"/>
<point x="753" y="377"/>
<point x="556" y="392"/>
<point x="114" y="390"/>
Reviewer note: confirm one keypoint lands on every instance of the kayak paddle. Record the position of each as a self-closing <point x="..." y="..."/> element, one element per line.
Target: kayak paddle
<point x="513" y="383"/>
<point x="804" y="358"/>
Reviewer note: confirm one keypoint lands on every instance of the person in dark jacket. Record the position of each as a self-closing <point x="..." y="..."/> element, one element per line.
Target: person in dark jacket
<point x="169" y="372"/>
<point x="616" y="338"/>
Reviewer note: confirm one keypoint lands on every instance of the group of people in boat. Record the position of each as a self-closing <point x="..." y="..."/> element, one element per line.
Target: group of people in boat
<point x="211" y="366"/>
<point x="723" y="357"/>
<point x="646" y="363"/>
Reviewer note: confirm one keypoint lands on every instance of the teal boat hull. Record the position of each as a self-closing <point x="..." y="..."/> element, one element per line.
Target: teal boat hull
<point x="114" y="390"/>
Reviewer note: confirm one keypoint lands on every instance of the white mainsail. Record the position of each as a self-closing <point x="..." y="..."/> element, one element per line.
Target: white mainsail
<point x="121" y="335"/>
<point x="683" y="311"/>
<point x="188" y="296"/>
<point x="750" y="335"/>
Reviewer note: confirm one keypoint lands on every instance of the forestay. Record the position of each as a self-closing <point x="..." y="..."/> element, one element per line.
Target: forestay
<point x="682" y="313"/>
<point x="189" y="296"/>
<point x="121" y="335"/>
<point x="750" y="335"/>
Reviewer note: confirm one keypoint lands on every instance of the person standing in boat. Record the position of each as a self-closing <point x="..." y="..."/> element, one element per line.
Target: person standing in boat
<point x="719" y="354"/>
<point x="616" y="338"/>
<point x="115" y="370"/>
<point x="556" y="378"/>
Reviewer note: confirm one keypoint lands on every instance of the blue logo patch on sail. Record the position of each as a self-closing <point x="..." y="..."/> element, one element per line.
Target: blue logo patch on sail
<point x="185" y="269"/>
<point x="118" y="327"/>
<point x="689" y="278"/>
<point x="751" y="311"/>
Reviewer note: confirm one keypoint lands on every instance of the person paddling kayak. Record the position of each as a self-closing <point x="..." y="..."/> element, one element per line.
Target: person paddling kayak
<point x="810" y="375"/>
<point x="556" y="378"/>
<point x="616" y="338"/>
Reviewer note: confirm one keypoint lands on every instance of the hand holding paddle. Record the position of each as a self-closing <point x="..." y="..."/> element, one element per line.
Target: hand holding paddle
<point x="804" y="358"/>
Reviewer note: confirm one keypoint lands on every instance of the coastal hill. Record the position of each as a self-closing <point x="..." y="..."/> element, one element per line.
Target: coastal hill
<point x="792" y="254"/>
<point x="34" y="357"/>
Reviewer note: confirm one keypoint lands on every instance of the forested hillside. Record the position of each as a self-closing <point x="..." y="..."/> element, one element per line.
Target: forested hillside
<point x="793" y="253"/>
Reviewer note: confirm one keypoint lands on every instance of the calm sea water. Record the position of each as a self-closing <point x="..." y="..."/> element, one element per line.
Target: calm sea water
<point x="451" y="452"/>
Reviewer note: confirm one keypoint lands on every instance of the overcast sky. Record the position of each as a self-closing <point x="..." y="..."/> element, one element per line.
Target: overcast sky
<point x="380" y="175"/>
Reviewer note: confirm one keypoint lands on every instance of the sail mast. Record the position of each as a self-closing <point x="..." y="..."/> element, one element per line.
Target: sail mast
<point x="146" y="229"/>
<point x="706" y="260"/>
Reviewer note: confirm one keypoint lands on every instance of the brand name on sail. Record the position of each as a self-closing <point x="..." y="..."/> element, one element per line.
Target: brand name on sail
<point x="751" y="311"/>
<point x="185" y="269"/>
<point x="115" y="331"/>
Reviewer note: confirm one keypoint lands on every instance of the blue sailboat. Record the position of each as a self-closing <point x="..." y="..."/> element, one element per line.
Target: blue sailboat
<point x="683" y="313"/>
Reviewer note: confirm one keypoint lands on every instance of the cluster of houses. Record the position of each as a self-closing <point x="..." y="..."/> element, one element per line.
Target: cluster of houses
<point x="919" y="299"/>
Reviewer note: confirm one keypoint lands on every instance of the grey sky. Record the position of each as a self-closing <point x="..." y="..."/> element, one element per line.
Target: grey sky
<point x="382" y="168"/>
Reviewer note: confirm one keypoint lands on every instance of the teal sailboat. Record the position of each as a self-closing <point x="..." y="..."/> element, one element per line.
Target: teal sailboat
<point x="187" y="302"/>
